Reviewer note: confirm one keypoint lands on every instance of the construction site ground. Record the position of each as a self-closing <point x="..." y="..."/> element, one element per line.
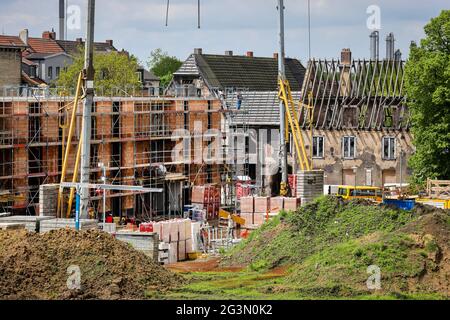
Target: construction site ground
<point x="321" y="251"/>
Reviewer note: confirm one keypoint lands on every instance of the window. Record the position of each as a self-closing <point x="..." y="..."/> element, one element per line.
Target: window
<point x="50" y="72"/>
<point x="348" y="147"/>
<point x="388" y="148"/>
<point x="58" y="70"/>
<point x="318" y="147"/>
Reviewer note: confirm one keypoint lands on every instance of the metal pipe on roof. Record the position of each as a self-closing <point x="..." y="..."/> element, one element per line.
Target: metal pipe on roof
<point x="62" y="19"/>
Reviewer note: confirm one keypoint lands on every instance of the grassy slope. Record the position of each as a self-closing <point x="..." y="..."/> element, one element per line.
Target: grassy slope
<point x="324" y="250"/>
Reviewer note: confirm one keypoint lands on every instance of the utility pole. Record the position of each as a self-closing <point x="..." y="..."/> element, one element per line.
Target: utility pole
<point x="87" y="109"/>
<point x="282" y="75"/>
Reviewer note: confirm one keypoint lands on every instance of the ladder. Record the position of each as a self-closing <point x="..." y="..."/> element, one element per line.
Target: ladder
<point x="285" y="95"/>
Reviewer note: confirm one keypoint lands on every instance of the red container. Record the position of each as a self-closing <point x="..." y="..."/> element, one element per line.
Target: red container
<point x="146" y="227"/>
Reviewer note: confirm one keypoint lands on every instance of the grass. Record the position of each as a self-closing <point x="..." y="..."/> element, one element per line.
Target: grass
<point x="323" y="251"/>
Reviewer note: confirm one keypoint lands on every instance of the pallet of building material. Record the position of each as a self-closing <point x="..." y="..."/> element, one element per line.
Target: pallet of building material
<point x="292" y="181"/>
<point x="276" y="204"/>
<point x="181" y="230"/>
<point x="11" y="226"/>
<point x="32" y="223"/>
<point x="291" y="204"/>
<point x="247" y="204"/>
<point x="181" y="250"/>
<point x="54" y="224"/>
<point x="165" y="231"/>
<point x="173" y="229"/>
<point x="173" y="252"/>
<point x="262" y="204"/>
<point x="147" y="242"/>
<point x="259" y="218"/>
<point x="48" y="199"/>
<point x="248" y="217"/>
<point x="109" y="227"/>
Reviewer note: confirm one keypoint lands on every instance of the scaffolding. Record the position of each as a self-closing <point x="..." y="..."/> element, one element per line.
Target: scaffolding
<point x="134" y="136"/>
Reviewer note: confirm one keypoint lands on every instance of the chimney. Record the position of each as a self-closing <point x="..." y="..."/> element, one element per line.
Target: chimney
<point x="346" y="57"/>
<point x="229" y="53"/>
<point x="109" y="42"/>
<point x="249" y="54"/>
<point x="275" y="55"/>
<point x="345" y="81"/>
<point x="390" y="47"/>
<point x="79" y="40"/>
<point x="50" y="35"/>
<point x="23" y="35"/>
<point x="62" y="19"/>
<point x="198" y="51"/>
<point x="375" y="46"/>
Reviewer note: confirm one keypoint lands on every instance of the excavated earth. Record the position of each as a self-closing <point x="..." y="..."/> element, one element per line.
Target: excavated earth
<point x="45" y="266"/>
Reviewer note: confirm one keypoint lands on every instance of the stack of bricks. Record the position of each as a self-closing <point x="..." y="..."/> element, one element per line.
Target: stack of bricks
<point x="48" y="199"/>
<point x="177" y="235"/>
<point x="207" y="197"/>
<point x="256" y="210"/>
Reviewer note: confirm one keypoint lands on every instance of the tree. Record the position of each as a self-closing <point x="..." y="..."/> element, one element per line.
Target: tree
<point x="163" y="66"/>
<point x="427" y="82"/>
<point x="113" y="71"/>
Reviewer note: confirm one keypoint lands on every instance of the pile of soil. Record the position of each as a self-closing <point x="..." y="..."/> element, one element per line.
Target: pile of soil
<point x="328" y="246"/>
<point x="44" y="266"/>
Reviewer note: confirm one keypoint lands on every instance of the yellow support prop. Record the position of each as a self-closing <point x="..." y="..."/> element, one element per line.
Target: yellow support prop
<point x="69" y="141"/>
<point x="286" y="96"/>
<point x="74" y="178"/>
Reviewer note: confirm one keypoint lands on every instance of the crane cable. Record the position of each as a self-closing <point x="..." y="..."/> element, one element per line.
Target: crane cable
<point x="198" y="13"/>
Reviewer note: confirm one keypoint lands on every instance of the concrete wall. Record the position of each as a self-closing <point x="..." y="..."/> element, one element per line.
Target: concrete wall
<point x="10" y="67"/>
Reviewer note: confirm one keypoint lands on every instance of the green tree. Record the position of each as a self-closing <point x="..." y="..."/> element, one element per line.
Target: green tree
<point x="163" y="65"/>
<point x="114" y="72"/>
<point x="427" y="82"/>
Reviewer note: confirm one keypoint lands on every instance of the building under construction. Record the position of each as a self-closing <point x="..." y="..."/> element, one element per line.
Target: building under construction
<point x="134" y="138"/>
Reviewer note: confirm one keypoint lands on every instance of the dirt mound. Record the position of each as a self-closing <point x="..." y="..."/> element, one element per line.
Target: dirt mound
<point x="329" y="246"/>
<point x="40" y="266"/>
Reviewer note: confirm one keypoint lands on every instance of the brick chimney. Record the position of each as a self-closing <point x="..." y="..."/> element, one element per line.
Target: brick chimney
<point x="110" y="42"/>
<point x="275" y="55"/>
<point x="249" y="54"/>
<point x="346" y="57"/>
<point x="50" y="35"/>
<point x="23" y="35"/>
<point x="346" y="62"/>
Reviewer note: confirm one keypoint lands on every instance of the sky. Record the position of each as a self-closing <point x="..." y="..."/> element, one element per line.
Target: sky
<point x="138" y="26"/>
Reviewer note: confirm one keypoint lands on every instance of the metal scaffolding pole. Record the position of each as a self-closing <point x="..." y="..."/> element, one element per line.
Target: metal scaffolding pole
<point x="87" y="109"/>
<point x="282" y="75"/>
